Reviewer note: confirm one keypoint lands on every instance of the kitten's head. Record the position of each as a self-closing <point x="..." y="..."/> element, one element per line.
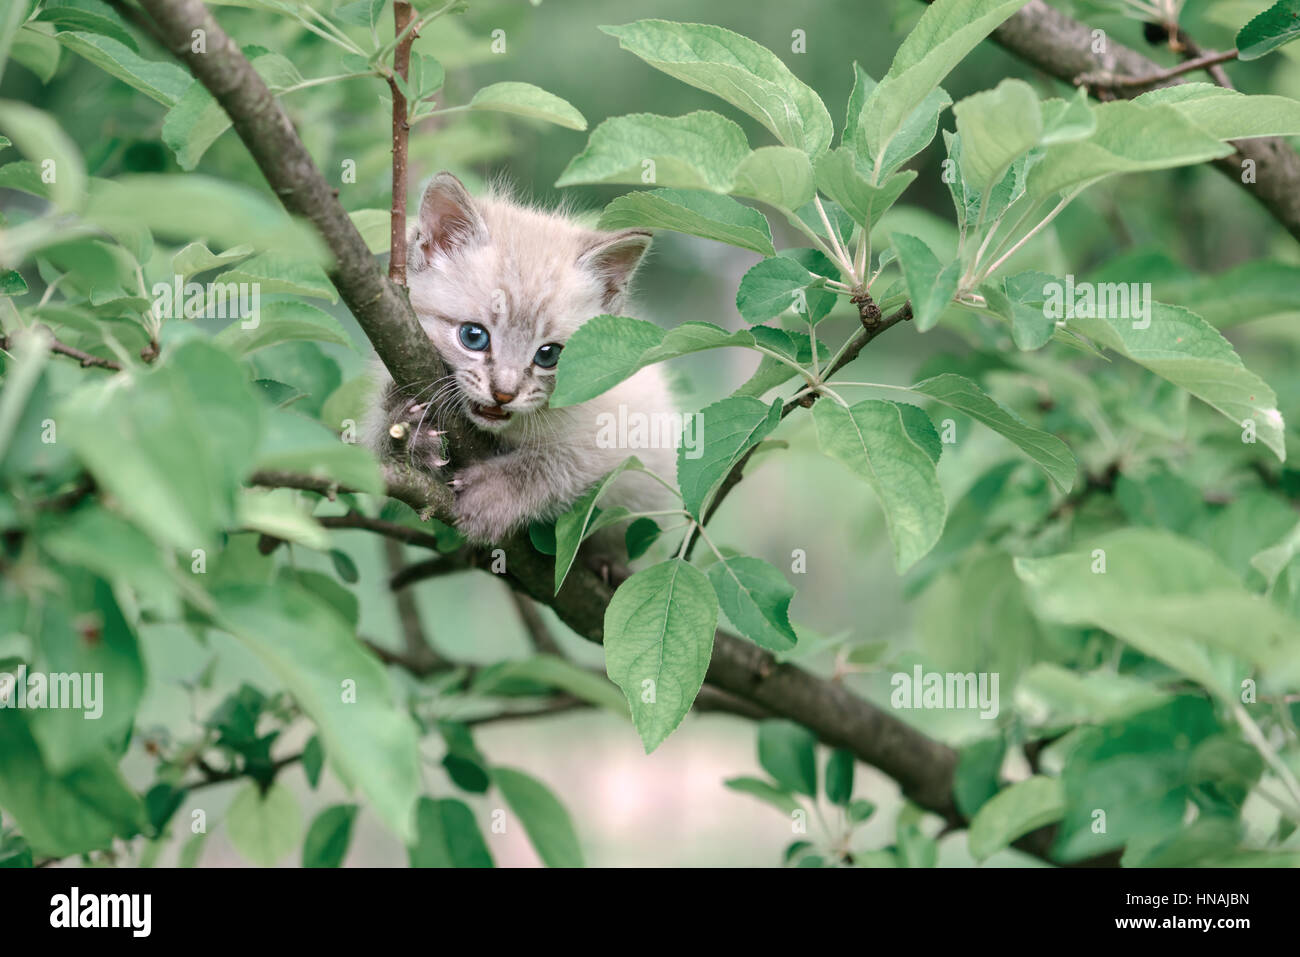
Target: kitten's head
<point x="500" y="287"/>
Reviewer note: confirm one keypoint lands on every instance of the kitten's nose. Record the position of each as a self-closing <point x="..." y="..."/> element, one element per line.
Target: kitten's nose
<point x="503" y="397"/>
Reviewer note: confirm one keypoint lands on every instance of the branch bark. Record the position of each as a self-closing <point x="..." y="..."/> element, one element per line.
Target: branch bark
<point x="1061" y="46"/>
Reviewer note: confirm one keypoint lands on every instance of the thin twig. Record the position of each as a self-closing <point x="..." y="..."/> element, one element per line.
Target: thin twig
<point x="537" y="629"/>
<point x="1160" y="76"/>
<point x="402" y="14"/>
<point x="418" y="649"/>
<point x="63" y="349"/>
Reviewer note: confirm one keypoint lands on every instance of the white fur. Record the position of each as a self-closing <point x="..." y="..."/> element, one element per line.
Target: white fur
<point x="530" y="277"/>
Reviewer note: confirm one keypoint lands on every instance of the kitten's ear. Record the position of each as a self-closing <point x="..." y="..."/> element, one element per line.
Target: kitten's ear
<point x="448" y="219"/>
<point x="613" y="257"/>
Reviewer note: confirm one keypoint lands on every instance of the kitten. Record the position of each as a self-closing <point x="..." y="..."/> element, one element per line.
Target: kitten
<point x="500" y="287"/>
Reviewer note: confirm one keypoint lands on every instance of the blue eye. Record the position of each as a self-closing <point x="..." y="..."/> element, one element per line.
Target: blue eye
<point x="474" y="337"/>
<point x="548" y="355"/>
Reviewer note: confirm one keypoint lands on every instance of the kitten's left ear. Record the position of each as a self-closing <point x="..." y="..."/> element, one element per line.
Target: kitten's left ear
<point x="613" y="257"/>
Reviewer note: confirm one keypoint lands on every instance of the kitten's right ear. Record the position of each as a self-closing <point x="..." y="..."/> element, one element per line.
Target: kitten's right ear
<point x="448" y="219"/>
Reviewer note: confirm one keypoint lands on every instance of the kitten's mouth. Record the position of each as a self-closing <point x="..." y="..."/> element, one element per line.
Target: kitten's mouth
<point x="494" y="413"/>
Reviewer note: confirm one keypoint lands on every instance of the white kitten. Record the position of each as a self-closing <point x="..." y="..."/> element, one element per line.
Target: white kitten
<point x="500" y="287"/>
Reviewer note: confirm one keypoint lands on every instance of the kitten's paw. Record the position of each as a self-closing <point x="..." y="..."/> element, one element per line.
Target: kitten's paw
<point x="486" y="508"/>
<point x="420" y="445"/>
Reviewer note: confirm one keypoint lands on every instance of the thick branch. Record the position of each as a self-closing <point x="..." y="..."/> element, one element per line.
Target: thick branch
<point x="1061" y="46"/>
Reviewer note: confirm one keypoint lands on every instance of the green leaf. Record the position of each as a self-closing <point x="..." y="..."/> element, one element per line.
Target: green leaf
<point x="839" y="777"/>
<point x="88" y="15"/>
<point x="756" y="597"/>
<point x="771" y="372"/>
<point x="732" y="426"/>
<point x="1275" y="27"/>
<point x="708" y="215"/>
<point x="658" y="640"/>
<point x="280" y="322"/>
<point x="328" y="837"/>
<point x="36" y="50"/>
<point x="915" y="134"/>
<point x="1249" y="291"/>
<point x="524" y="99"/>
<point x="375" y="228"/>
<point x="698" y="151"/>
<point x="173" y="445"/>
<point x="447" y="836"/>
<point x="1229" y="114"/>
<point x="766" y="792"/>
<point x="555" y="673"/>
<point x="159" y="80"/>
<point x="1015" y="811"/>
<point x="788" y="752"/>
<point x="1067" y="120"/>
<point x="773" y="286"/>
<point x="264" y="827"/>
<point x="996" y="126"/>
<point x="872" y="438"/>
<point x="740" y="71"/>
<point x="1020" y="300"/>
<point x="946" y="32"/>
<point x="780" y="176"/>
<point x="295" y="443"/>
<point x="221" y="212"/>
<point x="930" y="285"/>
<point x="1050" y="696"/>
<point x="581" y="520"/>
<point x="1139" y="770"/>
<point x="282" y="514"/>
<point x="193" y="124"/>
<point x="196" y="119"/>
<point x="608" y="349"/>
<point x="838" y="178"/>
<point x="338" y="684"/>
<point x="313" y="760"/>
<point x="196" y="258"/>
<point x="640" y="535"/>
<point x="976" y="779"/>
<point x="274" y="272"/>
<point x="1172" y="600"/>
<point x="43" y="142"/>
<point x="549" y="827"/>
<point x="1047" y="450"/>
<point x="61" y="815"/>
<point x="107" y="659"/>
<point x="1180" y="346"/>
<point x="1129" y="138"/>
